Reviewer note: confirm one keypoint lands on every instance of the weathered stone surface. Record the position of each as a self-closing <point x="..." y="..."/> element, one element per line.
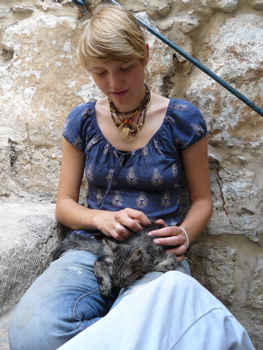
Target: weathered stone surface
<point x="234" y="53"/>
<point x="4" y="325"/>
<point x="213" y="265"/>
<point x="22" y="9"/>
<point x="256" y="287"/>
<point x="4" y="11"/>
<point x="5" y="166"/>
<point x="238" y="60"/>
<point x="28" y="235"/>
<point x="257" y="4"/>
<point x="242" y="217"/>
<point x="224" y="5"/>
<point x="164" y="9"/>
<point x="33" y="79"/>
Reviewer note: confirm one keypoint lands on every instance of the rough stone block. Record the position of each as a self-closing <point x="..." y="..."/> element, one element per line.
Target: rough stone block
<point x="257" y="4"/>
<point x="256" y="287"/>
<point x="5" y="169"/>
<point x="223" y="5"/>
<point x="28" y="235"/>
<point x="4" y="325"/>
<point x="213" y="265"/>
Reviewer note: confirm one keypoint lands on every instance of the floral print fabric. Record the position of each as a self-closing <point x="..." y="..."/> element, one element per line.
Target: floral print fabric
<point x="148" y="179"/>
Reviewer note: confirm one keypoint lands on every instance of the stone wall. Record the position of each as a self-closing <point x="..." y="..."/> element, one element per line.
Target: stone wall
<point x="41" y="80"/>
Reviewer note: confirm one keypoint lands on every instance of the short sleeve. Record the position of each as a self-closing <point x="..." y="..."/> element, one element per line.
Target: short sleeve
<point x="75" y="125"/>
<point x="189" y="123"/>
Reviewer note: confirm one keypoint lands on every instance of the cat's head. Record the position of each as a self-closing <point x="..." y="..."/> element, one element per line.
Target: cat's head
<point x="127" y="267"/>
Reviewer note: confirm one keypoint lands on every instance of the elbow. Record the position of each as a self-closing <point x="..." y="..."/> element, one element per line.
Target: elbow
<point x="57" y="213"/>
<point x="204" y="205"/>
<point x="210" y="207"/>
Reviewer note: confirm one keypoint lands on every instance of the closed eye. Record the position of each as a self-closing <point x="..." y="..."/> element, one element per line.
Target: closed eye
<point x="126" y="68"/>
<point x="97" y="72"/>
<point x="100" y="73"/>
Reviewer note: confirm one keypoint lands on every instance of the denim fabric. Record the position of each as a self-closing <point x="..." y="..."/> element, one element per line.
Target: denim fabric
<point x="159" y="312"/>
<point x="170" y="311"/>
<point x="62" y="302"/>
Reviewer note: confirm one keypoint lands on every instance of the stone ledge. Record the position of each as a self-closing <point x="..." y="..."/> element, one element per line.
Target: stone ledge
<point x="4" y="325"/>
<point x="28" y="234"/>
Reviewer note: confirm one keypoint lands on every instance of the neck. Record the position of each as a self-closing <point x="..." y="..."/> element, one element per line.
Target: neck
<point x="128" y="112"/>
<point x="128" y="127"/>
<point x="143" y="103"/>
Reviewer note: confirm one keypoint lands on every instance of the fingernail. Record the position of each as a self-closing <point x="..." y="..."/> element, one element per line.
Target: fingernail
<point x="156" y="241"/>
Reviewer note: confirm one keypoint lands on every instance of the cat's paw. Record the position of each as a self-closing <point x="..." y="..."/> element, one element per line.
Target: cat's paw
<point x="104" y="284"/>
<point x="105" y="289"/>
<point x="167" y="265"/>
<point x="101" y="272"/>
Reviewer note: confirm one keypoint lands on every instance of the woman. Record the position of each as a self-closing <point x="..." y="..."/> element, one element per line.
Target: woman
<point x="135" y="147"/>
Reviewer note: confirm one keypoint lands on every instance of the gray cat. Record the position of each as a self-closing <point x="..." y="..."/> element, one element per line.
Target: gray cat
<point x="120" y="263"/>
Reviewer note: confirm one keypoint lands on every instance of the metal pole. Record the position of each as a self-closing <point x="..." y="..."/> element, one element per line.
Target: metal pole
<point x="193" y="61"/>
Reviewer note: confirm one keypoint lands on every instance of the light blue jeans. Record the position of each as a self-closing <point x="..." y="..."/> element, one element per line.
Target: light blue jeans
<point x="159" y="312"/>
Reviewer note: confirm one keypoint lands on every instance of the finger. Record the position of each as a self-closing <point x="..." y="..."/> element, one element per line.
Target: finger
<point x="120" y="236"/>
<point x="132" y="225"/>
<point x="120" y="232"/>
<point x="161" y="222"/>
<point x="161" y="232"/>
<point x="179" y="250"/>
<point x="180" y="258"/>
<point x="137" y="216"/>
<point x="168" y="241"/>
<point x="166" y="231"/>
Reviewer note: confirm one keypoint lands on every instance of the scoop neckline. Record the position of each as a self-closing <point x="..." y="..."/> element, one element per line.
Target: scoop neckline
<point x="137" y="149"/>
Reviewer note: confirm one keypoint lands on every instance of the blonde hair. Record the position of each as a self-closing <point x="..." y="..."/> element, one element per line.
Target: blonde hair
<point x="112" y="33"/>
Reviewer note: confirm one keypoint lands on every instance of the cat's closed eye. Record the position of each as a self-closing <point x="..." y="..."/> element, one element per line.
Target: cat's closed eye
<point x="128" y="271"/>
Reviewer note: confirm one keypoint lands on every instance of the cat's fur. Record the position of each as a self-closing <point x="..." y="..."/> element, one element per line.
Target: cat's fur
<point x="120" y="263"/>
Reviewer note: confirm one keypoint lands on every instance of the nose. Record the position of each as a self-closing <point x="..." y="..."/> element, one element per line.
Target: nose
<point x="115" y="81"/>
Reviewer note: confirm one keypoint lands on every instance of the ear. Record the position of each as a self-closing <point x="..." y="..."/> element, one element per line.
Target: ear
<point x="137" y="255"/>
<point x="147" y="55"/>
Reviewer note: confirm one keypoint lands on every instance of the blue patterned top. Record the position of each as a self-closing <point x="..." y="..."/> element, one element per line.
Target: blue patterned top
<point x="147" y="179"/>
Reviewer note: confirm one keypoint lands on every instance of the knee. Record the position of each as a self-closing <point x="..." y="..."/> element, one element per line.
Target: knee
<point x="186" y="288"/>
<point x="56" y="307"/>
<point x="38" y="322"/>
<point x="178" y="278"/>
<point x="29" y="331"/>
<point x="181" y="284"/>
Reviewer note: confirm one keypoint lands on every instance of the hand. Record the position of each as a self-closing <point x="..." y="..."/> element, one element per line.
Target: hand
<point x="121" y="224"/>
<point x="171" y="236"/>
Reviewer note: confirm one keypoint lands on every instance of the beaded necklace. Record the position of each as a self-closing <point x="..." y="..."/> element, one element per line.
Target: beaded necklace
<point x="128" y="129"/>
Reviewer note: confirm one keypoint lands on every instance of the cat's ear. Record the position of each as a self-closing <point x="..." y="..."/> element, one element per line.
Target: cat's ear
<point x="137" y="255"/>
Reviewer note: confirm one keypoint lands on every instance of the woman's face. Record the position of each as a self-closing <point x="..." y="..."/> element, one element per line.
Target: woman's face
<point x="122" y="82"/>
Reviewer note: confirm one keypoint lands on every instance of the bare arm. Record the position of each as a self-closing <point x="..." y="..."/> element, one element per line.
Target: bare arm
<point x="75" y="216"/>
<point x="196" y="168"/>
<point x="195" y="160"/>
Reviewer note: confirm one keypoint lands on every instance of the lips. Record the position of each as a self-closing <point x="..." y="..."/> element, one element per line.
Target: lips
<point x="119" y="94"/>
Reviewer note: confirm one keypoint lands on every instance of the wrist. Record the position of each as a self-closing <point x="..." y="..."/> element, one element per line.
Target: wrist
<point x="186" y="237"/>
